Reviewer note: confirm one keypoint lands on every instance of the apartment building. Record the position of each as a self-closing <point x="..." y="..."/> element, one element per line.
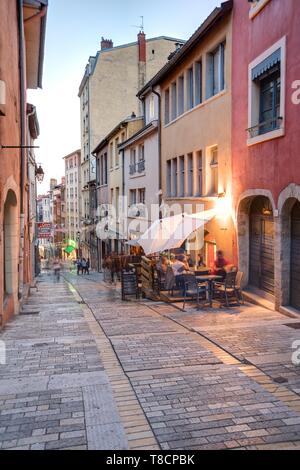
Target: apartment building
<point x="265" y="139"/>
<point x="73" y="194"/>
<point x="195" y="108"/>
<point x="107" y="94"/>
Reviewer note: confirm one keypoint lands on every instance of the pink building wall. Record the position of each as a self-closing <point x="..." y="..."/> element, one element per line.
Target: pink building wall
<point x="275" y="164"/>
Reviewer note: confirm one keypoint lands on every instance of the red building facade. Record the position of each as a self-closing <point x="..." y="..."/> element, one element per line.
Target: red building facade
<point x="266" y="146"/>
<point x="22" y="34"/>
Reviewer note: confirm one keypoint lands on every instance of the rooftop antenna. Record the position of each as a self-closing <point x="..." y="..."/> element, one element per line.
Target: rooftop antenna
<point x="141" y="26"/>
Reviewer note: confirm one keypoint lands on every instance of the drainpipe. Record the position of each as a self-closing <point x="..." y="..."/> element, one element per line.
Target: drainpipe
<point x="159" y="150"/>
<point x="23" y="141"/>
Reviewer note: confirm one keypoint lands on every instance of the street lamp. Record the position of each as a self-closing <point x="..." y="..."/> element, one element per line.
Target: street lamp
<point x="39" y="173"/>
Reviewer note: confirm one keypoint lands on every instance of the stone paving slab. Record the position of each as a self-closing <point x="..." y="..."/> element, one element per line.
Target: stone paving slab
<point x="63" y="381"/>
<point x="52" y="362"/>
<point x="108" y="436"/>
<point x="150" y="351"/>
<point x="197" y="405"/>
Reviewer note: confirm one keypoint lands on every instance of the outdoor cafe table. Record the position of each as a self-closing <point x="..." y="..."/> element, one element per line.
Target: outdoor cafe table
<point x="210" y="279"/>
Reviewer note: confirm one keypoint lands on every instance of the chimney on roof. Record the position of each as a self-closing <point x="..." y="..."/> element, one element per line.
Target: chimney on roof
<point x="142" y="46"/>
<point x="106" y="44"/>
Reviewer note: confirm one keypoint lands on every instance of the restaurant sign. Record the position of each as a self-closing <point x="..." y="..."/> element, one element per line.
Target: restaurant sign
<point x="44" y="230"/>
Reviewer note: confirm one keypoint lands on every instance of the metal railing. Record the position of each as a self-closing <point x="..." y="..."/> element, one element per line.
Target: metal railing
<point x="265" y="126"/>
<point x="138" y="167"/>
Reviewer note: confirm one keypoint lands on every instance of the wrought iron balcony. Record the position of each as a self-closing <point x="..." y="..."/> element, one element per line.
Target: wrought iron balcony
<point x="138" y="167"/>
<point x="265" y="126"/>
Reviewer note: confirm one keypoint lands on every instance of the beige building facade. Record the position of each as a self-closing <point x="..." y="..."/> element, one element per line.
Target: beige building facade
<point x="113" y="180"/>
<point x="196" y="131"/>
<point x="73" y="194"/>
<point x="107" y="94"/>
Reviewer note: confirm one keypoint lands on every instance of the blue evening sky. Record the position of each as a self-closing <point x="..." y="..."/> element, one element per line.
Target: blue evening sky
<point x="74" y="30"/>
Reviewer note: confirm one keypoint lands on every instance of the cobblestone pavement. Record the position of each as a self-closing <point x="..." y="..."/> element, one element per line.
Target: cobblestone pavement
<point x="91" y="371"/>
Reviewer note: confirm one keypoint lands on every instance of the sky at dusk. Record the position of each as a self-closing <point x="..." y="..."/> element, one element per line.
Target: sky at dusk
<point x="74" y="30"/>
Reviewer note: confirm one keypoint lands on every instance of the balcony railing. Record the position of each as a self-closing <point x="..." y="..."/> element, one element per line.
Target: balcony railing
<point x="265" y="126"/>
<point x="138" y="167"/>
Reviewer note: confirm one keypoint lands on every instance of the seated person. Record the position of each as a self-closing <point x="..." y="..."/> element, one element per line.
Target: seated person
<point x="189" y="260"/>
<point x="179" y="266"/>
<point x="221" y="265"/>
<point x="200" y="262"/>
<point x="162" y="265"/>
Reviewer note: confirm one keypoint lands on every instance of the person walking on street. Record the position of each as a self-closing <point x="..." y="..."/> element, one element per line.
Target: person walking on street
<point x="78" y="264"/>
<point x="88" y="266"/>
<point x="56" y="270"/>
<point x="83" y="265"/>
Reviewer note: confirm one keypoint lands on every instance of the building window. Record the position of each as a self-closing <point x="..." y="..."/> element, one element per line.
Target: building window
<point x="151" y="108"/>
<point x="141" y="162"/>
<point x="174" y="177"/>
<point x="169" y="178"/>
<point x="117" y="201"/>
<point x="214" y="163"/>
<point x="132" y="168"/>
<point x="267" y="94"/>
<point x="190" y="180"/>
<point x="167" y="106"/>
<point x="269" y="102"/>
<point x="216" y="71"/>
<point x="190" y="88"/>
<point x="111" y="154"/>
<point x="174" y="100"/>
<point x="105" y="169"/>
<point x="198" y="83"/>
<point x="181" y="176"/>
<point x="132" y="197"/>
<point x="117" y="152"/>
<point x="181" y="95"/>
<point x="141" y="196"/>
<point x="199" y="174"/>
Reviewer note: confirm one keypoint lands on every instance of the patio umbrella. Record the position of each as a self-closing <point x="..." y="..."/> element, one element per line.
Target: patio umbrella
<point x="171" y="232"/>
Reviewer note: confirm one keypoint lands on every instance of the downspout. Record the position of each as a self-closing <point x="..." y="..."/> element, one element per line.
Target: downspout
<point x="23" y="141"/>
<point x="159" y="151"/>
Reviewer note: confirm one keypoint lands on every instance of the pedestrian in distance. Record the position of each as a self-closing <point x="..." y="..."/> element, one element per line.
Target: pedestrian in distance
<point x="83" y="266"/>
<point x="56" y="270"/>
<point x="78" y="264"/>
<point x="88" y="266"/>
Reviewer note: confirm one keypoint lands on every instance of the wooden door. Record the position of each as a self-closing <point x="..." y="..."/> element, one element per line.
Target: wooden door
<point x="295" y="257"/>
<point x="261" y="273"/>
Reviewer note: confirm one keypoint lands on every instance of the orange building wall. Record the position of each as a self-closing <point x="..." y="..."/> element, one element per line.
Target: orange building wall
<point x="9" y="127"/>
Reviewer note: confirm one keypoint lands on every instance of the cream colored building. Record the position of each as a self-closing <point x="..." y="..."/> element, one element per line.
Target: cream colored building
<point x="115" y="181"/>
<point x="107" y="94"/>
<point x="196" y="130"/>
<point x="141" y="170"/>
<point x="73" y="194"/>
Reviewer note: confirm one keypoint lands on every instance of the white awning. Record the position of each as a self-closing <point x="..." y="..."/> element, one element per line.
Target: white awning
<point x="171" y="232"/>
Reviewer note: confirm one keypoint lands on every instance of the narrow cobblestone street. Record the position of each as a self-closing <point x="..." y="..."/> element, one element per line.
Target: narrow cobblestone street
<point x="88" y="371"/>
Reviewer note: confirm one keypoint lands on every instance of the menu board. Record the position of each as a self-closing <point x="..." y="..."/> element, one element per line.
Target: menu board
<point x="129" y="283"/>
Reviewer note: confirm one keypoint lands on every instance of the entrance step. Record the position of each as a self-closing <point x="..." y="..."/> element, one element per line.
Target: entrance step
<point x="256" y="298"/>
<point x="290" y="312"/>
